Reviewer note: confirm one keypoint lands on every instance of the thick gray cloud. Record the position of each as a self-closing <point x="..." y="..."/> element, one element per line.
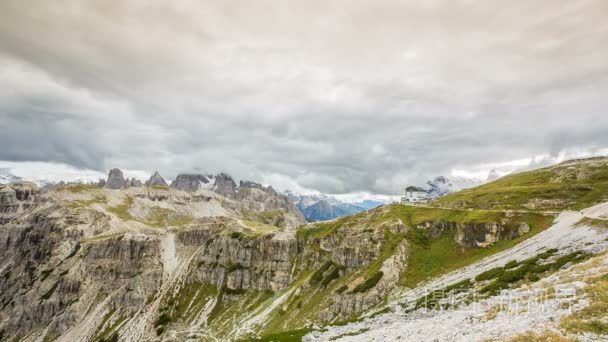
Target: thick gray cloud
<point x="336" y="96"/>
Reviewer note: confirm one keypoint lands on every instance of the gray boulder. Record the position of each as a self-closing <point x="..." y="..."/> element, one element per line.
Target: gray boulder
<point x="115" y="180"/>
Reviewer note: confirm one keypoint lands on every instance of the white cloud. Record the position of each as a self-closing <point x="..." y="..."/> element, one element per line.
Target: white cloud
<point x="358" y="97"/>
<point x="48" y="171"/>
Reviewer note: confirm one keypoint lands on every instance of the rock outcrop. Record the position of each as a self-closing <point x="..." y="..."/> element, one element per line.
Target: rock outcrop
<point x="134" y="182"/>
<point x="156" y="180"/>
<point x="191" y="182"/>
<point x="253" y="185"/>
<point x="475" y="235"/>
<point x="224" y="185"/>
<point x="115" y="180"/>
<point x="16" y="198"/>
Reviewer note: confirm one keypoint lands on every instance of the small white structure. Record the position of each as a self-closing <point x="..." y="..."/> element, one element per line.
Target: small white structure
<point x="414" y="194"/>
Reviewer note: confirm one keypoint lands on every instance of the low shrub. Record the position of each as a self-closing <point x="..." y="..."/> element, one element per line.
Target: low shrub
<point x="341" y="289"/>
<point x="489" y="274"/>
<point x="334" y="274"/>
<point x="236" y="235"/>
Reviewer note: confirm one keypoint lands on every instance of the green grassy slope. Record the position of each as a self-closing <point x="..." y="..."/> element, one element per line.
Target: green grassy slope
<point x="569" y="185"/>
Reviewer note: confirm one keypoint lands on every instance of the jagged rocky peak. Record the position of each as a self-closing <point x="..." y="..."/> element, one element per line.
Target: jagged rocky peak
<point x="191" y="181"/>
<point x="134" y="182"/>
<point x="224" y="185"/>
<point x="115" y="180"/>
<point x="248" y="184"/>
<point x="156" y="180"/>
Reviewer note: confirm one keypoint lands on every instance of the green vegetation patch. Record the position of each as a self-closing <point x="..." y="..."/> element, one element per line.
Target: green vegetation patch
<point x="260" y="228"/>
<point x="162" y="217"/>
<point x="286" y="336"/>
<point x="232" y="306"/>
<point x="554" y="188"/>
<point x="122" y="210"/>
<point x="273" y="218"/>
<point x="109" y="334"/>
<point x="432" y="300"/>
<point x="78" y="188"/>
<point x="97" y="199"/>
<point x="188" y="302"/>
<point x="593" y="222"/>
<point x="433" y="257"/>
<point x="317" y="277"/>
<point x="352" y="333"/>
<point x="529" y="269"/>
<point x="157" y="217"/>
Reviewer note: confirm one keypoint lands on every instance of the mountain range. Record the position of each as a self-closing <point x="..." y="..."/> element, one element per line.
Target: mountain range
<point x="323" y="207"/>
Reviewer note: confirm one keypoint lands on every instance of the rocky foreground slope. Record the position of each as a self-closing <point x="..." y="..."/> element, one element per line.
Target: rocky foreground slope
<point x="206" y="260"/>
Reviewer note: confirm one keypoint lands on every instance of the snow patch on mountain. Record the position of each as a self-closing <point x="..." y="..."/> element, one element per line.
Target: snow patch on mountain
<point x="441" y="185"/>
<point x="6" y="177"/>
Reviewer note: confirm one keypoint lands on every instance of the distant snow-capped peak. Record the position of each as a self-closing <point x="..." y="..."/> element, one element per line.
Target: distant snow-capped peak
<point x="442" y="185"/>
<point x="7" y="177"/>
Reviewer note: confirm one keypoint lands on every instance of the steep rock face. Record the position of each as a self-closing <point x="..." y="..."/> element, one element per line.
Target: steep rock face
<point x="115" y="180"/>
<point x="353" y="250"/>
<point x="190" y="182"/>
<point x="253" y="185"/>
<point x="67" y="274"/>
<point x="475" y="235"/>
<point x="8" y="200"/>
<point x="276" y="209"/>
<point x="224" y="185"/>
<point x="15" y="198"/>
<point x="156" y="180"/>
<point x="233" y="261"/>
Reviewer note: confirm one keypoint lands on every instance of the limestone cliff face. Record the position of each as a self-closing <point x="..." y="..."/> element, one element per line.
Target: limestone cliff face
<point x="224" y="185"/>
<point x="280" y="211"/>
<point x="473" y="235"/>
<point x="15" y="198"/>
<point x="231" y="259"/>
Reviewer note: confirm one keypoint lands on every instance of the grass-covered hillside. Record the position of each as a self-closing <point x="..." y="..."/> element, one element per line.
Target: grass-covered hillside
<point x="571" y="185"/>
<point x="432" y="255"/>
<point x="351" y="264"/>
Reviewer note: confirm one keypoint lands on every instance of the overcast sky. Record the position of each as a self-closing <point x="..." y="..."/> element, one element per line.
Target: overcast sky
<point x="334" y="96"/>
